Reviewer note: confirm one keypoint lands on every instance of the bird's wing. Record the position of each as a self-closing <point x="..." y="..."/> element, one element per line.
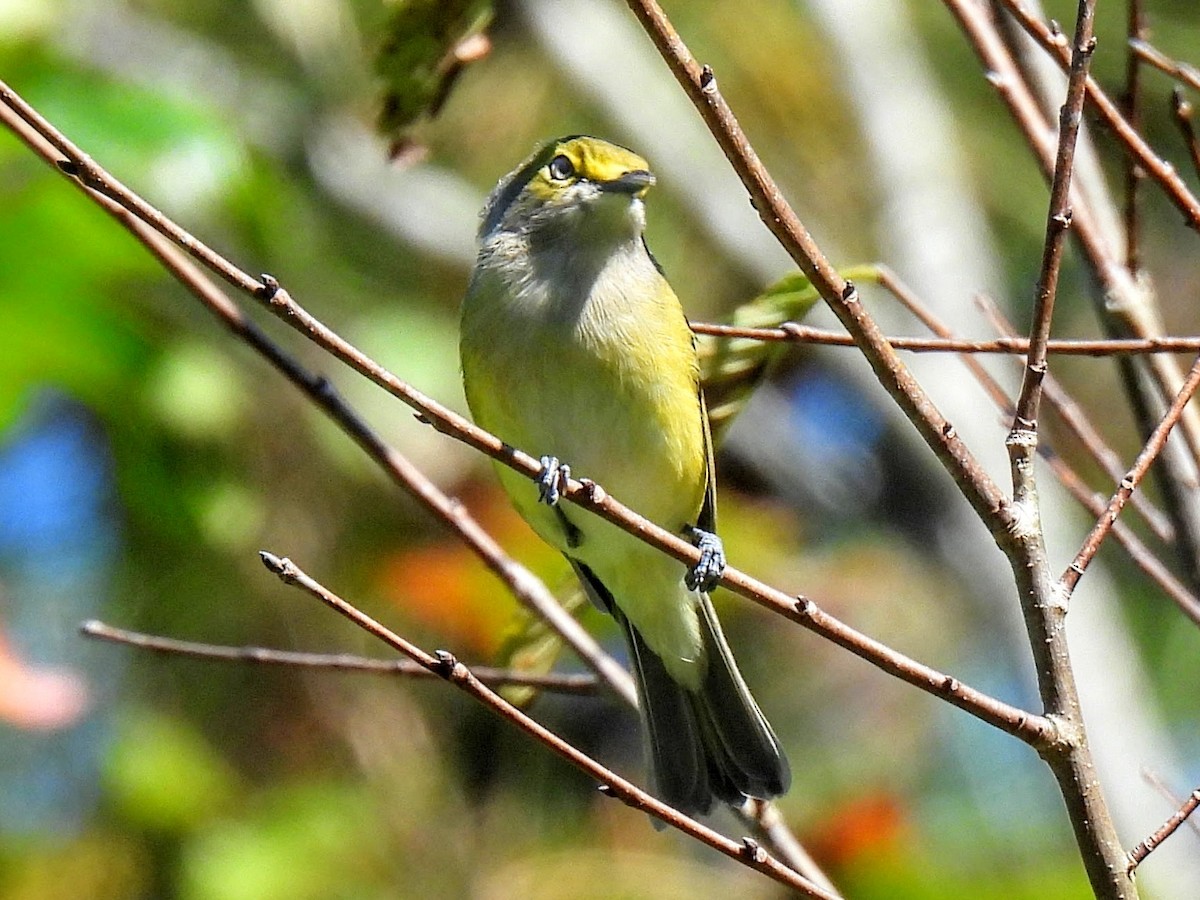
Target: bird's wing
<point x="707" y="520"/>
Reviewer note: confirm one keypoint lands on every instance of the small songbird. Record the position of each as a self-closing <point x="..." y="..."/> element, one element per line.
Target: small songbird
<point x="574" y="345"/>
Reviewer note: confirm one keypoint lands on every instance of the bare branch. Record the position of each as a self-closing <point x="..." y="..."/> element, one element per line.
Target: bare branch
<point x="444" y="665"/>
<point x="558" y="683"/>
<point x="1156" y="168"/>
<point x="525" y="587"/>
<point x="1168" y="828"/>
<point x="808" y="334"/>
<point x="1058" y="220"/>
<point x="1076" y="422"/>
<point x="1131" y="108"/>
<point x="1181" y="112"/>
<point x="1151" y="55"/>
<point x="1070" y="578"/>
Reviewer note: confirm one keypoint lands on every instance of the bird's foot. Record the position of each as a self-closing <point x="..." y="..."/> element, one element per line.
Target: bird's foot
<point x="553" y="480"/>
<point x="707" y="572"/>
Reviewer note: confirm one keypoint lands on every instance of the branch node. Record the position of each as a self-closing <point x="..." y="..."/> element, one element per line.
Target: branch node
<point x="1063" y="219"/>
<point x="269" y="287"/>
<point x="283" y="567"/>
<point x="752" y="850"/>
<point x="595" y="493"/>
<point x="1023" y="435"/>
<point x="1059" y="597"/>
<point x="948" y="431"/>
<point x="1023" y="520"/>
<point x="849" y="293"/>
<point x="804" y="607"/>
<point x="708" y="80"/>
<point x="446" y="664"/>
<point x="68" y="167"/>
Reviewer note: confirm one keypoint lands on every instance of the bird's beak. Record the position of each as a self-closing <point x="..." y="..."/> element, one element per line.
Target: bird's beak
<point x="636" y="182"/>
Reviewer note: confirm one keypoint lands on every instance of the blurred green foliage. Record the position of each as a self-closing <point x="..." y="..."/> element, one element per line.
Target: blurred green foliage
<point x="223" y="782"/>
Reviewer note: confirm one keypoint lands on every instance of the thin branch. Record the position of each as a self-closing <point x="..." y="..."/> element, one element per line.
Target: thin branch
<point x="1169" y="795"/>
<point x="1141" y="555"/>
<point x="1070" y="578"/>
<point x="1180" y="71"/>
<point x="769" y="824"/>
<point x="1058" y="220"/>
<point x="1181" y="112"/>
<point x="1168" y="828"/>
<point x="1131" y="108"/>
<point x="1156" y="168"/>
<point x="444" y="665"/>
<point x="1073" y="418"/>
<point x="561" y="683"/>
<point x="1075" y="421"/>
<point x="808" y="334"/>
<point x="1126" y="306"/>
<point x="1030" y="728"/>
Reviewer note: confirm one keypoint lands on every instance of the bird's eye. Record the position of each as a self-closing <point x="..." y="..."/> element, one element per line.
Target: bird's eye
<point x="561" y="168"/>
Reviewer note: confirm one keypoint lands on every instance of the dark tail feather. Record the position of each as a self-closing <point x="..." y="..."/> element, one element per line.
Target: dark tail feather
<point x="713" y="743"/>
<point x="737" y="735"/>
<point x="679" y="766"/>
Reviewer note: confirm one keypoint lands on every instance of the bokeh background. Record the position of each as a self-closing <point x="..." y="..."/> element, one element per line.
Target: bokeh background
<point x="145" y="458"/>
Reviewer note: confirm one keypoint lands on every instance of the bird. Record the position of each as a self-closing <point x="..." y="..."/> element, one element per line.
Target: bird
<point x="574" y="345"/>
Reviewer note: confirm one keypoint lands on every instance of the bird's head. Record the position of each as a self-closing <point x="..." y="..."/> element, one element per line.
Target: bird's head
<point x="577" y="186"/>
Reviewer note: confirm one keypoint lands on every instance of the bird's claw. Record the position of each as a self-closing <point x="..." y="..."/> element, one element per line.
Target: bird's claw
<point x="705" y="574"/>
<point x="552" y="482"/>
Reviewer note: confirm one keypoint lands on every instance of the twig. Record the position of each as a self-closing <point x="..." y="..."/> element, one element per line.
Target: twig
<point x="1156" y="168"/>
<point x="808" y="334"/>
<point x="562" y="683"/>
<point x="1058" y="220"/>
<point x="1131" y="107"/>
<point x="444" y="665"/>
<point x="1070" y="578"/>
<point x="1033" y="729"/>
<point x="1077" y="423"/>
<point x="1180" y="71"/>
<point x="769" y="823"/>
<point x="1168" y="828"/>
<point x="1169" y="795"/>
<point x="1181" y="112"/>
<point x="1074" y="419"/>
<point x="1126" y="306"/>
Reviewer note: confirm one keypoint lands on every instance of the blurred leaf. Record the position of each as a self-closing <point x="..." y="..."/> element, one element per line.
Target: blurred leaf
<point x="163" y="775"/>
<point x="731" y="368"/>
<point x="317" y="841"/>
<point x="532" y="647"/>
<point x="99" y="864"/>
<point x="425" y="46"/>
